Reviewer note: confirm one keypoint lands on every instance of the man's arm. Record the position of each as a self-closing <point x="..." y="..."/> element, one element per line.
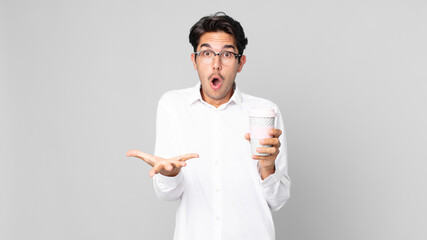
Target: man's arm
<point x="273" y="169"/>
<point x="169" y="188"/>
<point x="168" y="185"/>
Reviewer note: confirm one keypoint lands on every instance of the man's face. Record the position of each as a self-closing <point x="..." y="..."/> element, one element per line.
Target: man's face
<point x="216" y="78"/>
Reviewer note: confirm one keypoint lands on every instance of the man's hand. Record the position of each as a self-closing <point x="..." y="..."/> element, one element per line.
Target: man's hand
<point x="266" y="163"/>
<point x="167" y="167"/>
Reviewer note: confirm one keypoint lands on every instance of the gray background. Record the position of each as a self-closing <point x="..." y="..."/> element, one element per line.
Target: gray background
<point x="80" y="81"/>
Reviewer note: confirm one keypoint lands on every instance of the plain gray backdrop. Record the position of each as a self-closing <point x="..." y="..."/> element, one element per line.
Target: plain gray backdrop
<point x="80" y="81"/>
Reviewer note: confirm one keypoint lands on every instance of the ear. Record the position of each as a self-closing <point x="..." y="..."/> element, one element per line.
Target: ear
<point x="193" y="59"/>
<point x="242" y="62"/>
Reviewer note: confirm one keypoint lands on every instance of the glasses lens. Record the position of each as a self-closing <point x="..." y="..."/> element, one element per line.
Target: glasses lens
<point x="227" y="57"/>
<point x="207" y="56"/>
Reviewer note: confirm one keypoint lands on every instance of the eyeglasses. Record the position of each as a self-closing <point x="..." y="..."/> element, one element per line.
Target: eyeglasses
<point x="207" y="56"/>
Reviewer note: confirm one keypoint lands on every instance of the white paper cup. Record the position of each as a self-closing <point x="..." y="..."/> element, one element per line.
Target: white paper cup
<point x="261" y="121"/>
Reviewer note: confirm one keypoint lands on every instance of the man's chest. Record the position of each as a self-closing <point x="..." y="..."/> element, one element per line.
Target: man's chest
<point x="218" y="138"/>
<point x="219" y="131"/>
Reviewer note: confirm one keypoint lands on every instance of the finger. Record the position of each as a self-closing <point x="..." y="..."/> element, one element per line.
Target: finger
<point x="157" y="168"/>
<point x="152" y="172"/>
<point x="148" y="158"/>
<point x="168" y="166"/>
<point x="178" y="164"/>
<point x="275" y="132"/>
<point x="247" y="136"/>
<point x="269" y="141"/>
<point x="269" y="150"/>
<point x="269" y="158"/>
<point x="185" y="157"/>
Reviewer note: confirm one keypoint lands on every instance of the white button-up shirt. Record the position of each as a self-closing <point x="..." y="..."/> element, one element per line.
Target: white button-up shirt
<point x="222" y="194"/>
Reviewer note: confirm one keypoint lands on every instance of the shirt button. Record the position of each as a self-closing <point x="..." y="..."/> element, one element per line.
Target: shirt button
<point x="217" y="218"/>
<point x="217" y="190"/>
<point x="216" y="162"/>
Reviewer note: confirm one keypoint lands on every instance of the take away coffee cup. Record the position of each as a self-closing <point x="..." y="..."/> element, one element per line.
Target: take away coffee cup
<point x="261" y="121"/>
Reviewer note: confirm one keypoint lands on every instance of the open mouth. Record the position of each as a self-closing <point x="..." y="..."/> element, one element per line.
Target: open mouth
<point x="216" y="82"/>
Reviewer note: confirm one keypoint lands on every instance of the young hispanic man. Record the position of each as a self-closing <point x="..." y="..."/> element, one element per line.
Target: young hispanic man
<point x="226" y="193"/>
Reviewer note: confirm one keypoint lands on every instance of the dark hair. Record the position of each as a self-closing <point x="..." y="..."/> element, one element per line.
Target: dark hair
<point x="219" y="22"/>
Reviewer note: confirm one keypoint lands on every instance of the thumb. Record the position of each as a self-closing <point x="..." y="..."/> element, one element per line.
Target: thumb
<point x="247" y="136"/>
<point x="148" y="158"/>
<point x="187" y="156"/>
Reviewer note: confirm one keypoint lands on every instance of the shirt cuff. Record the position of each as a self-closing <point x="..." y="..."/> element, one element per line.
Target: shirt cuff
<point x="271" y="179"/>
<point x="170" y="181"/>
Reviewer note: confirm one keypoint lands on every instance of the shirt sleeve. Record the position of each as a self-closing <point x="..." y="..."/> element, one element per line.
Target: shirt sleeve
<point x="276" y="187"/>
<point x="166" y="188"/>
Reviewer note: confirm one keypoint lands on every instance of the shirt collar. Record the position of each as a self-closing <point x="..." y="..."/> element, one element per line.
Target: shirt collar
<point x="196" y="95"/>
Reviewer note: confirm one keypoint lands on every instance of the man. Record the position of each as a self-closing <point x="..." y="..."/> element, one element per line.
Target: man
<point x="224" y="192"/>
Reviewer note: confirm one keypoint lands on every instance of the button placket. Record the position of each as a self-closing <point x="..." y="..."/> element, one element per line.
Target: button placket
<point x="216" y="153"/>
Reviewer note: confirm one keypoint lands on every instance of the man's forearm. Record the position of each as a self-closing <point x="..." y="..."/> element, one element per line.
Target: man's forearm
<point x="168" y="188"/>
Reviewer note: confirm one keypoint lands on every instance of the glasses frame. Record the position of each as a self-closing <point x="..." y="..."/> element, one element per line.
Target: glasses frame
<point x="219" y="54"/>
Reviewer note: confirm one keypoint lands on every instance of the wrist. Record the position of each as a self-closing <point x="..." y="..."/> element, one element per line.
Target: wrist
<point x="266" y="167"/>
<point x="171" y="174"/>
<point x="266" y="171"/>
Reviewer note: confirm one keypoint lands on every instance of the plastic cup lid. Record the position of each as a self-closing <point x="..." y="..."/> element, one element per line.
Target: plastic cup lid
<point x="262" y="112"/>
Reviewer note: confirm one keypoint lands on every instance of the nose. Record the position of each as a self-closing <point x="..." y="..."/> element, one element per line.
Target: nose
<point x="216" y="63"/>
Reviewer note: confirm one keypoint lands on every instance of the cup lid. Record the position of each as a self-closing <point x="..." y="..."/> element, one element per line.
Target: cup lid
<point x="262" y="112"/>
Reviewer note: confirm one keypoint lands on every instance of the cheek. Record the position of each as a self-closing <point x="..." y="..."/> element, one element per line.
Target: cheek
<point x="232" y="72"/>
<point x="234" y="69"/>
<point x="203" y="71"/>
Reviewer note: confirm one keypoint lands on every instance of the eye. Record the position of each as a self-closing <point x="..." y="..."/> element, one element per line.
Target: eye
<point x="206" y="53"/>
<point x="227" y="54"/>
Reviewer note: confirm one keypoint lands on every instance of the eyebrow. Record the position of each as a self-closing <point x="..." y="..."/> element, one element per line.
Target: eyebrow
<point x="225" y="46"/>
<point x="230" y="46"/>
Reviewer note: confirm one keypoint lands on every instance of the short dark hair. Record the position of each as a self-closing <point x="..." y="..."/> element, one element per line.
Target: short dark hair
<point x="219" y="22"/>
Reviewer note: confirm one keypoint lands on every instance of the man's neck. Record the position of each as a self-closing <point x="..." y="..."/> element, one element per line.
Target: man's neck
<point x="217" y="103"/>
